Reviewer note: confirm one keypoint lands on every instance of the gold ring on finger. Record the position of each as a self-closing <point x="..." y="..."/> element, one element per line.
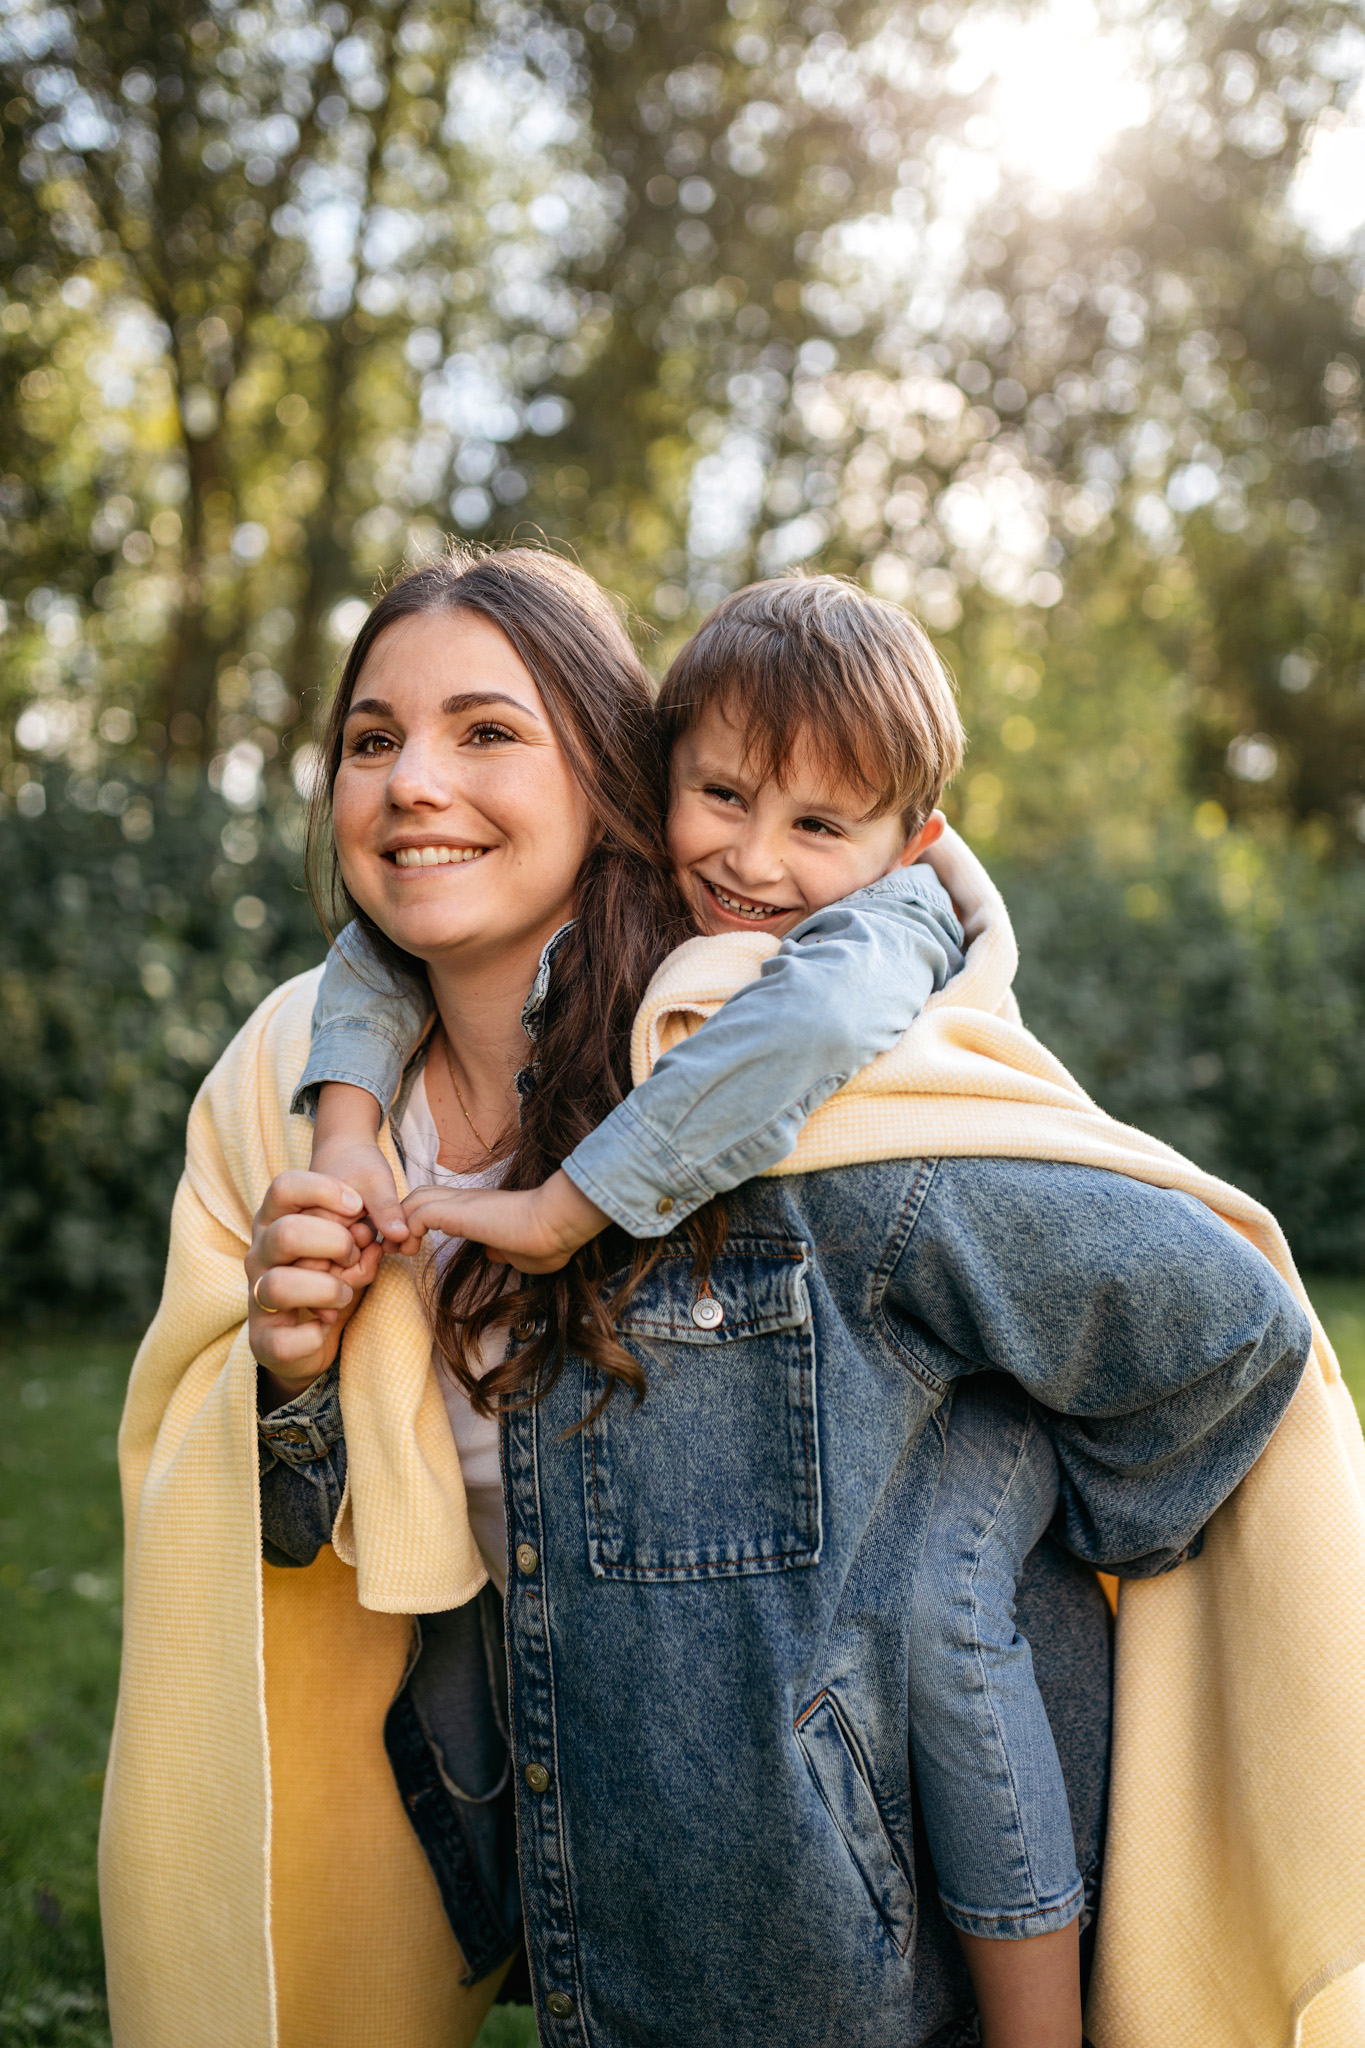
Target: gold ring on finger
<point x="256" y="1296"/>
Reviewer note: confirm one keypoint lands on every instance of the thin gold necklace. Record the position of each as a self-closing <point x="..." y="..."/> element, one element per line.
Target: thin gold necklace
<point x="450" y="1069"/>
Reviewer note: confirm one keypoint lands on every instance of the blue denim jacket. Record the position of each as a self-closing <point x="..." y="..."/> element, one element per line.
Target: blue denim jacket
<point x="719" y="1108"/>
<point x="707" y="1623"/>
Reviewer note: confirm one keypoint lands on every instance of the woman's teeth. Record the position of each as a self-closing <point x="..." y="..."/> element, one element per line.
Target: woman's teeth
<point x="435" y="856"/>
<point x="737" y="909"/>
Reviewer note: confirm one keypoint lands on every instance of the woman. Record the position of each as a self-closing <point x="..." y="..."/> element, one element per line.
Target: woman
<point x="404" y="1529"/>
<point x="190" y="1943"/>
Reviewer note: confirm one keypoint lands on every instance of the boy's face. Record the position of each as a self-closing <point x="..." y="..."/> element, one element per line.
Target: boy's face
<point x="755" y="855"/>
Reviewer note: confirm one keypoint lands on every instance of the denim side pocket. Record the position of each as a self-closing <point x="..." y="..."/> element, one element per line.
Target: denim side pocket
<point x="841" y="1779"/>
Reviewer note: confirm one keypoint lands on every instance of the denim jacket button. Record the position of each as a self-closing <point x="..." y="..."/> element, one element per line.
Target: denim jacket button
<point x="528" y="1557"/>
<point x="707" y="1313"/>
<point x="559" y="2005"/>
<point x="537" y="1777"/>
<point x="291" y="1436"/>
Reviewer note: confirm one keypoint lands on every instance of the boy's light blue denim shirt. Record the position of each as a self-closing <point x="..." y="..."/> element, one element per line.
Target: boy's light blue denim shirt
<point x="728" y="1102"/>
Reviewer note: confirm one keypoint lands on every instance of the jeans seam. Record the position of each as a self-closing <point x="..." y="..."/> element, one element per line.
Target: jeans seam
<point x="906" y="1223"/>
<point x="1018" y="1821"/>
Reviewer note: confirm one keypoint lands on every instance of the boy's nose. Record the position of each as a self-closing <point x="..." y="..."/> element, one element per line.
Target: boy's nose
<point x="755" y="860"/>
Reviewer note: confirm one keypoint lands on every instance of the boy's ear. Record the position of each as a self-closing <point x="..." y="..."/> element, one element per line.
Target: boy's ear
<point x="933" y="828"/>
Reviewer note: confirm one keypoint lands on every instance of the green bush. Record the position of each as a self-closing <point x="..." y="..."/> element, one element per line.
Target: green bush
<point x="125" y="967"/>
<point x="1237" y="1035"/>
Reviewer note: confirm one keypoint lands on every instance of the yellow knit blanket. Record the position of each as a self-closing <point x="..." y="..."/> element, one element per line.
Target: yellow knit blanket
<point x="259" y="1882"/>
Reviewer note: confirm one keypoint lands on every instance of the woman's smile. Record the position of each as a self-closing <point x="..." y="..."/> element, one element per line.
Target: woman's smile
<point x="433" y="856"/>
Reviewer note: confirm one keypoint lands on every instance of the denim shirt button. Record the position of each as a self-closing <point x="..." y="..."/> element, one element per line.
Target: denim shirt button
<point x="528" y="1557"/>
<point x="664" y="1205"/>
<point x="537" y="1777"/>
<point x="559" y="2005"/>
<point x="290" y="1436"/>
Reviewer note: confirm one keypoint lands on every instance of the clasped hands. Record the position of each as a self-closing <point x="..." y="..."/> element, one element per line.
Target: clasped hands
<point x="318" y="1237"/>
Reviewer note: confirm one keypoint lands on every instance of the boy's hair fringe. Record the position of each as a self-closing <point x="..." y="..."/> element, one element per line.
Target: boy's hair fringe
<point x="816" y="660"/>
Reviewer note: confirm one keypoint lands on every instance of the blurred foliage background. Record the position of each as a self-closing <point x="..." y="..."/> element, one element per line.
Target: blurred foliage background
<point x="1046" y="319"/>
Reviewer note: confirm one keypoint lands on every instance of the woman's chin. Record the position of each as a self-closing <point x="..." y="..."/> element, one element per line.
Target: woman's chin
<point x="429" y="939"/>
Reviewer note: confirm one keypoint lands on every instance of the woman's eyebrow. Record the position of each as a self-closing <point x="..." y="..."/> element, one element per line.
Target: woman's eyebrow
<point x="467" y="700"/>
<point x="470" y="700"/>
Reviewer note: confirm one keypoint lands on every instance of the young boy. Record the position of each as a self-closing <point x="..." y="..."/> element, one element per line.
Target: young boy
<point x="812" y="731"/>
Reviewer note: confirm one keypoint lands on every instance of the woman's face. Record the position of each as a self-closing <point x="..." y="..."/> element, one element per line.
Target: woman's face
<point x="459" y="824"/>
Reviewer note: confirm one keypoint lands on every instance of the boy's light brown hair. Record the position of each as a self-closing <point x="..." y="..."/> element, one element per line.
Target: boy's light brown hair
<point x="815" y="659"/>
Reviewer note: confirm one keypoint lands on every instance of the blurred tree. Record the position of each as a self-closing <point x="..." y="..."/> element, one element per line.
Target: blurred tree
<point x="1144" y="386"/>
<point x="736" y="138"/>
<point x="232" y="230"/>
<point x="700" y="290"/>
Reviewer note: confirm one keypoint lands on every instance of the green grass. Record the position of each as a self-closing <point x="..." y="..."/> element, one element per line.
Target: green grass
<point x="59" y="1646"/>
<point x="59" y="1639"/>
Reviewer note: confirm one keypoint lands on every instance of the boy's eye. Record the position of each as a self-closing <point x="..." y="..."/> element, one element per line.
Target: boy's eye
<point x="722" y="794"/>
<point x="821" y="826"/>
<point x="488" y="733"/>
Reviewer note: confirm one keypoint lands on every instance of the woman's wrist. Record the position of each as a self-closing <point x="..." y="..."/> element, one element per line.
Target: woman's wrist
<point x="278" y="1385"/>
<point x="274" y="1390"/>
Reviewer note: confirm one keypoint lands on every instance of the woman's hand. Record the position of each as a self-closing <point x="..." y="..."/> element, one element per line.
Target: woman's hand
<point x="305" y="1275"/>
<point x="537" y="1230"/>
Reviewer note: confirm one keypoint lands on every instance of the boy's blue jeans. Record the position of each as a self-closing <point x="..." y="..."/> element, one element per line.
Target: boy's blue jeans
<point x="991" y="1788"/>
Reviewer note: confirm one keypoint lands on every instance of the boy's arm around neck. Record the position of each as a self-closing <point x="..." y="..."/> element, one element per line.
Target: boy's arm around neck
<point x="730" y="1101"/>
<point x="368" y="1021"/>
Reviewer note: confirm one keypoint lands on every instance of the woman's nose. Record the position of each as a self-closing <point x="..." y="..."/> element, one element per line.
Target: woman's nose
<point x="417" y="780"/>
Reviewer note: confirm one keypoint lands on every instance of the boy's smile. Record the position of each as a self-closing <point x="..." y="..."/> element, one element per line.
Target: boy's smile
<point x="754" y="854"/>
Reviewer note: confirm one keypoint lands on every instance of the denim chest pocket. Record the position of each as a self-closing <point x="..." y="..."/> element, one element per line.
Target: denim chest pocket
<point x="717" y="1471"/>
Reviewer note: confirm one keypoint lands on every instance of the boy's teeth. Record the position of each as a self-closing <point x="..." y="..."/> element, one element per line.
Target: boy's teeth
<point x="434" y="856"/>
<point x="743" y="909"/>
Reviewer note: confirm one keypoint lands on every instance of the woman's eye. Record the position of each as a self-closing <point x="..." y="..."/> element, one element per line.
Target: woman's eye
<point x="489" y="734"/>
<point x="372" y="742"/>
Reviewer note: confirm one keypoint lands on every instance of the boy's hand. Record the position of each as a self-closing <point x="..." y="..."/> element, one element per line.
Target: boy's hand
<point x="305" y="1278"/>
<point x="345" y="1147"/>
<point x="537" y="1230"/>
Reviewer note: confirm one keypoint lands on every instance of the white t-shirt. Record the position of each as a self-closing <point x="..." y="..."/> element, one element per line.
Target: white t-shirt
<point x="476" y="1436"/>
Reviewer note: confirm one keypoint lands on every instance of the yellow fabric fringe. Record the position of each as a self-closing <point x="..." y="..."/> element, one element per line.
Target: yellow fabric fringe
<point x="260" y="1886"/>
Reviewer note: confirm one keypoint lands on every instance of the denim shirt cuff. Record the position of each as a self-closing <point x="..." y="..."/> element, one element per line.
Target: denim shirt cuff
<point x="355" y="1050"/>
<point x="628" y="1170"/>
<point x="307" y="1428"/>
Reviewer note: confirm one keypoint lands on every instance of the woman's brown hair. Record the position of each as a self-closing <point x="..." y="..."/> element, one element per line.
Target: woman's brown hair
<point x="628" y="915"/>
